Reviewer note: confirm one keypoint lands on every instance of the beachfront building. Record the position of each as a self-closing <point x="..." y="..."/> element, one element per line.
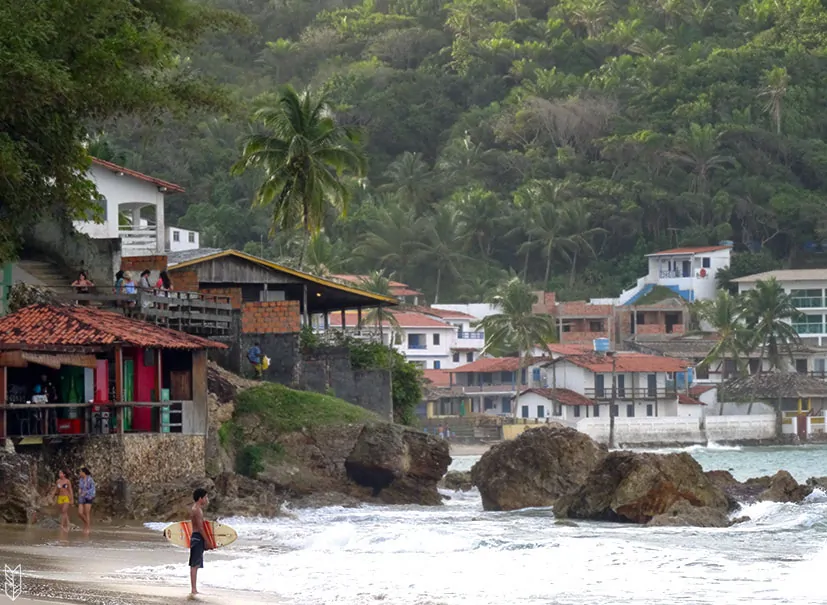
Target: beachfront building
<point x="808" y="290"/>
<point x="179" y="240"/>
<point x="131" y="208"/>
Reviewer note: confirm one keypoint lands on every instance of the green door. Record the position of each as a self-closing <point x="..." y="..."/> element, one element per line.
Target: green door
<point x="128" y="391"/>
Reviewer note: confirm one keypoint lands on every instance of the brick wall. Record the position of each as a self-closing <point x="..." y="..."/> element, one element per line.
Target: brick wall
<point x="139" y="263"/>
<point x="650" y="329"/>
<point x="545" y="303"/>
<point x="184" y="281"/>
<point x="233" y="293"/>
<point x="282" y="317"/>
<point x="584" y="309"/>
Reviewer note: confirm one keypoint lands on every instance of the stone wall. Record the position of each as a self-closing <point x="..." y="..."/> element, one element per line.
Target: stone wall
<point x="57" y="239"/>
<point x="126" y="466"/>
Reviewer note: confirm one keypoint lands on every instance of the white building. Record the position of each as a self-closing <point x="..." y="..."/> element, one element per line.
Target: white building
<point x="490" y="384"/>
<point x="808" y="289"/>
<point x="580" y="386"/>
<point x="132" y="209"/>
<point x="179" y="239"/>
<point x="690" y="272"/>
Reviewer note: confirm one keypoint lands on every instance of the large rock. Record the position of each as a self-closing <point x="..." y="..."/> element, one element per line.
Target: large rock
<point x="19" y="497"/>
<point x="459" y="481"/>
<point x="634" y="487"/>
<point x="783" y="488"/>
<point x="399" y="465"/>
<point x="536" y="468"/>
<point x="236" y="495"/>
<point x="162" y="501"/>
<point x="682" y="514"/>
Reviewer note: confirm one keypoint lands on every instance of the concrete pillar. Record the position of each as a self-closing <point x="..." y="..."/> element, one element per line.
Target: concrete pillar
<point x="160" y="225"/>
<point x="136" y="218"/>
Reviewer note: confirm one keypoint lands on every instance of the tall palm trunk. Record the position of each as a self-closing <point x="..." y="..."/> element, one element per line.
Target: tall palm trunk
<point x="527" y="254"/>
<point x="305" y="241"/>
<point x="548" y="264"/>
<point x="573" y="269"/>
<point x="438" y="280"/>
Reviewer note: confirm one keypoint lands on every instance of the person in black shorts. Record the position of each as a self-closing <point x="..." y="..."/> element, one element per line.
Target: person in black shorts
<point x="198" y="542"/>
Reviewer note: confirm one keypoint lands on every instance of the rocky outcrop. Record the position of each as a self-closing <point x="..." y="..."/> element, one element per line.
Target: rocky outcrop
<point x="682" y="514"/>
<point x="458" y="481"/>
<point x="818" y="483"/>
<point x="536" y="468"/>
<point x="634" y="487"/>
<point x="783" y="488"/>
<point x="19" y="498"/>
<point x="236" y="495"/>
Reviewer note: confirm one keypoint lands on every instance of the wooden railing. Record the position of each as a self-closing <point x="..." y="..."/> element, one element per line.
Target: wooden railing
<point x="630" y="394"/>
<point x="41" y="419"/>
<point x="185" y="311"/>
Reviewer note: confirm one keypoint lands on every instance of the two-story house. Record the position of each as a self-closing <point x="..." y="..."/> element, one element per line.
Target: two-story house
<point x="489" y="384"/>
<point x="580" y="386"/>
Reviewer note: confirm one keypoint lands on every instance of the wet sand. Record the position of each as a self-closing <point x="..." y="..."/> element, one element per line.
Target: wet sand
<point x="469" y="449"/>
<point x="89" y="569"/>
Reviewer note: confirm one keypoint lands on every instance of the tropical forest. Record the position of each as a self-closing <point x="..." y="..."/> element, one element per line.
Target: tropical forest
<point x="558" y="141"/>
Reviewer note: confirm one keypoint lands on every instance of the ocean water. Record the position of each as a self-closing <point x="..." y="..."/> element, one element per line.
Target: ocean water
<point x="459" y="554"/>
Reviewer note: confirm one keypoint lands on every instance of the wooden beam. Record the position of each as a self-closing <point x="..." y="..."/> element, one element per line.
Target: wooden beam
<point x="119" y="387"/>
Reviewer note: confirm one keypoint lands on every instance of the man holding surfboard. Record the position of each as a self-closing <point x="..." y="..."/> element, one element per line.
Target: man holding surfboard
<point x="199" y="537"/>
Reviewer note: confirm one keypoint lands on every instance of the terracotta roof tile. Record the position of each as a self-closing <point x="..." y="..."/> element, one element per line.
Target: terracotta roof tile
<point x="438" y="378"/>
<point x="442" y="313"/>
<point x="700" y="389"/>
<point x="138" y="175"/>
<point x="68" y="326"/>
<point x="563" y="396"/>
<point x="494" y="364"/>
<point x="696" y="250"/>
<point x="687" y="400"/>
<point x="406" y="319"/>
<point x="627" y="362"/>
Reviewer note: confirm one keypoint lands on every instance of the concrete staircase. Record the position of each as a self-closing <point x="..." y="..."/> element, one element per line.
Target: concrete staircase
<point x="42" y="273"/>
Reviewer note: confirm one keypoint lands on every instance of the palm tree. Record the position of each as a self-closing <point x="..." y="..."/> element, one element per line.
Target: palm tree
<point x="515" y="326"/>
<point x="323" y="256"/>
<point x="575" y="219"/>
<point x="542" y="202"/>
<point x="725" y="316"/>
<point x="768" y="311"/>
<point x="303" y="155"/>
<point x="479" y="214"/>
<point x="410" y="180"/>
<point x="389" y="236"/>
<point x="699" y="150"/>
<point x="438" y="248"/>
<point x="776" y="82"/>
<point x="377" y="283"/>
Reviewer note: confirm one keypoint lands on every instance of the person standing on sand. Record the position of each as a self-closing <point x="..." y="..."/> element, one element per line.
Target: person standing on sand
<point x="86" y="498"/>
<point x="65" y="498"/>
<point x="198" y="542"/>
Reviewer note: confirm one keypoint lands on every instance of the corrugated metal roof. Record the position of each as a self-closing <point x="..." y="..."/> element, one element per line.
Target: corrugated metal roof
<point x="785" y="275"/>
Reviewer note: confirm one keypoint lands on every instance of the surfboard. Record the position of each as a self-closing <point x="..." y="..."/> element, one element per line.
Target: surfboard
<point x="179" y="533"/>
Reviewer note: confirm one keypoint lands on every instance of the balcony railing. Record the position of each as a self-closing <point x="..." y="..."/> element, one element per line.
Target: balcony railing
<point x="506" y="387"/>
<point x="673" y="275"/>
<point x="630" y="394"/>
<point x="417" y="346"/>
<point x="808" y="302"/>
<point x="138" y="241"/>
<point x="471" y="335"/>
<point x="809" y="328"/>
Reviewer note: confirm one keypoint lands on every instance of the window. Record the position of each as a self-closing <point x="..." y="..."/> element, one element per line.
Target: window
<point x="804" y="299"/>
<point x="456" y="357"/>
<point x="702" y="372"/>
<point x="801" y="366"/>
<point x="176" y="236"/>
<point x="535" y="374"/>
<point x="506" y="405"/>
<point x="599" y="385"/>
<point x="417" y="341"/>
<point x="566" y="327"/>
<point x="649" y="410"/>
<point x="577" y="411"/>
<point x="706" y="262"/>
<point x="506" y="377"/>
<point x="524" y="411"/>
<point x="469" y="357"/>
<point x="486" y="378"/>
<point x="614" y="410"/>
<point x="596" y="411"/>
<point x="541" y="411"/>
<point x="652" y="385"/>
<point x="630" y="410"/>
<point x="595" y="326"/>
<point x="489" y="404"/>
<point x="191" y="237"/>
<point x="809" y="324"/>
<point x="523" y="376"/>
<point x="437" y="364"/>
<point x="754" y="365"/>
<point x="436" y="340"/>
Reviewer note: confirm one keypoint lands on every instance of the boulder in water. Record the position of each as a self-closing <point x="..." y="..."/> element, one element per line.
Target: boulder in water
<point x="682" y="514"/>
<point x="19" y="497"/>
<point x="536" y="468"/>
<point x="459" y="481"/>
<point x="783" y="488"/>
<point x="635" y="487"/>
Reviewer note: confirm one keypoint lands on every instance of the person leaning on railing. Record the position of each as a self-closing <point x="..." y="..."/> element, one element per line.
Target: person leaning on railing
<point x="82" y="285"/>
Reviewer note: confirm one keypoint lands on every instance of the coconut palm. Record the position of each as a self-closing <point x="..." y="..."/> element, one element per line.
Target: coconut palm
<point x="388" y="236"/>
<point x="515" y="326"/>
<point x="768" y="312"/>
<point x="577" y="234"/>
<point x="437" y="248"/>
<point x="410" y="181"/>
<point x="303" y="156"/>
<point x="724" y="314"/>
<point x="776" y="81"/>
<point x="378" y="283"/>
<point x="698" y="149"/>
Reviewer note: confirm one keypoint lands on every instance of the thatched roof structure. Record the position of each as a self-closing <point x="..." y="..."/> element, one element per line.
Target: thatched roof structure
<point x="772" y="386"/>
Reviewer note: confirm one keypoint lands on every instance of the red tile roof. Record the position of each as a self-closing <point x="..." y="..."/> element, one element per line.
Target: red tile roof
<point x="138" y="175"/>
<point x="700" y="389"/>
<point x="687" y="400"/>
<point x="627" y="362"/>
<point x="406" y="319"/>
<point x="43" y="326"/>
<point x="696" y="250"/>
<point x="570" y="349"/>
<point x="396" y="288"/>
<point x="439" y="378"/>
<point x="563" y="396"/>
<point x="494" y="364"/>
<point x="442" y="313"/>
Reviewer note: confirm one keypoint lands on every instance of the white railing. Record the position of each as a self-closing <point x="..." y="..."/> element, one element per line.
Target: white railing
<point x="138" y="241"/>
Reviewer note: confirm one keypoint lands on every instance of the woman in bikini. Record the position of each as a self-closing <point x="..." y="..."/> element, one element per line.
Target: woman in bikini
<point x="65" y="498"/>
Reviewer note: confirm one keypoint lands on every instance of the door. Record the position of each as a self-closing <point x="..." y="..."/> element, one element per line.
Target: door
<point x="652" y="385"/>
<point x="128" y="391"/>
<point x="621" y="386"/>
<point x="599" y="385"/>
<point x="687" y="268"/>
<point x="802" y="426"/>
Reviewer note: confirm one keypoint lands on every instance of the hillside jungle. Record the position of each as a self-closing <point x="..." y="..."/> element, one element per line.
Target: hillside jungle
<point x="560" y="141"/>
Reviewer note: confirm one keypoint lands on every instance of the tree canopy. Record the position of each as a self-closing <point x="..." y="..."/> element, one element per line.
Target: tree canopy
<point x="560" y="140"/>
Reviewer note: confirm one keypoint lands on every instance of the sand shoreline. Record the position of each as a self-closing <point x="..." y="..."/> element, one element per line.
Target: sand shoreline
<point x="470" y="449"/>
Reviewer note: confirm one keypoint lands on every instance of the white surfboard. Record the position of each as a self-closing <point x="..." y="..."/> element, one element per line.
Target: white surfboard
<point x="179" y="533"/>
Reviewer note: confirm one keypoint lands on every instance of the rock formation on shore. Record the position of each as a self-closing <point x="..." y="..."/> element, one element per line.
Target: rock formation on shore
<point x="458" y="481"/>
<point x="536" y="468"/>
<point x="19" y="498"/>
<point x="781" y="487"/>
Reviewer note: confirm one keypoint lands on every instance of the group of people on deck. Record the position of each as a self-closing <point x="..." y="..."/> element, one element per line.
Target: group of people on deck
<point x="66" y="497"/>
<point x="125" y="284"/>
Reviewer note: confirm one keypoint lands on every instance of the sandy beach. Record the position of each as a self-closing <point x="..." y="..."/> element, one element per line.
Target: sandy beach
<point x="469" y="449"/>
<point x="88" y="569"/>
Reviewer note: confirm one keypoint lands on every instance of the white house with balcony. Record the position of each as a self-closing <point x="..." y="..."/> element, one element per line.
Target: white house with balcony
<point x="179" y="240"/>
<point x="690" y="272"/>
<point x="131" y="208"/>
<point x="490" y="384"/>
<point x="808" y="290"/>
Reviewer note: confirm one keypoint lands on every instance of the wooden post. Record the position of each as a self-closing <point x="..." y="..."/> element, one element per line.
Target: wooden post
<point x="359" y="317"/>
<point x="344" y="325"/>
<point x="306" y="311"/>
<point x="118" y="388"/>
<point x="159" y="383"/>
<point x="3" y="391"/>
<point x="326" y="321"/>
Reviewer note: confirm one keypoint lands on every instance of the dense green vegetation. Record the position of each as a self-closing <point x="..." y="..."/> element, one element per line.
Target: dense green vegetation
<point x="277" y="410"/>
<point x="561" y="140"/>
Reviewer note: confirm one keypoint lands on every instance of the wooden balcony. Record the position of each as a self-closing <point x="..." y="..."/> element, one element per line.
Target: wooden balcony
<point x="190" y="312"/>
<point x="631" y="394"/>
